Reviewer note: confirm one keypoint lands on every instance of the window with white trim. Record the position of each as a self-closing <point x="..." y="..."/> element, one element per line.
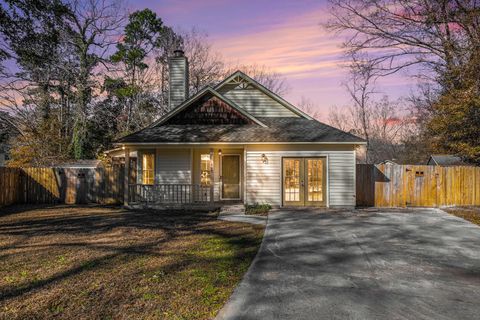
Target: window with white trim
<point x="205" y="170"/>
<point x="148" y="168"/>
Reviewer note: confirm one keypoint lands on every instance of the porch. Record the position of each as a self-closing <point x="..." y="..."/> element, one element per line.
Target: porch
<point x="170" y="194"/>
<point x="183" y="177"/>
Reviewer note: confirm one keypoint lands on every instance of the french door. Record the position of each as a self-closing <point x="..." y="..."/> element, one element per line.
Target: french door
<point x="304" y="181"/>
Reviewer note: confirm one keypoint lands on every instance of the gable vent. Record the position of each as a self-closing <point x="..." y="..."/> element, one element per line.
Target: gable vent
<point x="178" y="80"/>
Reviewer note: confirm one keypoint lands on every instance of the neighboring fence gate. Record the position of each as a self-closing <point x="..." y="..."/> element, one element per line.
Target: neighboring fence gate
<point x="391" y="185"/>
<point x="61" y="185"/>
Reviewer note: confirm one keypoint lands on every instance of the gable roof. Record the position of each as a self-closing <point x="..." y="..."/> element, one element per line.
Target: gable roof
<point x="263" y="89"/>
<point x="445" y="160"/>
<point x="199" y="95"/>
<point x="277" y="130"/>
<point x="81" y="164"/>
<point x="297" y="128"/>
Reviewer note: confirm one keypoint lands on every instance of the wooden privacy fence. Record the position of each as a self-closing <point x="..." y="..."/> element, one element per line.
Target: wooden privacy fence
<point x="10" y="186"/>
<point x="61" y="185"/>
<point x="389" y="185"/>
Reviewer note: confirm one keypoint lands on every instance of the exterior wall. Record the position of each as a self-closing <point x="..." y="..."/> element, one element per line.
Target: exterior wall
<point x="172" y="166"/>
<point x="216" y="166"/>
<point x="256" y="102"/>
<point x="264" y="181"/>
<point x="181" y="165"/>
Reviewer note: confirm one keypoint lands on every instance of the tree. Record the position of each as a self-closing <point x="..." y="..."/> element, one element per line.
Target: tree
<point x="267" y="77"/>
<point x="62" y="50"/>
<point x="360" y="87"/>
<point x="91" y="30"/>
<point x="455" y="126"/>
<point x="440" y="38"/>
<point x="382" y="123"/>
<point x="439" y="35"/>
<point x="205" y="65"/>
<point x="32" y="34"/>
<point x="390" y="130"/>
<point x="142" y="35"/>
<point x="309" y="107"/>
<point x="58" y="47"/>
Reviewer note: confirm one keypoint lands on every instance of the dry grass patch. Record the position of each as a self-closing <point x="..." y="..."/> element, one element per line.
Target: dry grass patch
<point x="110" y="263"/>
<point x="471" y="214"/>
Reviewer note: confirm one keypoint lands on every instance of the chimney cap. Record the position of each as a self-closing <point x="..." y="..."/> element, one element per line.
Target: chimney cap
<point x="178" y="53"/>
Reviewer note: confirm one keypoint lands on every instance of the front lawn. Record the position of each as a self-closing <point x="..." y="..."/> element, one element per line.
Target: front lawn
<point x="110" y="263"/>
<point x="471" y="214"/>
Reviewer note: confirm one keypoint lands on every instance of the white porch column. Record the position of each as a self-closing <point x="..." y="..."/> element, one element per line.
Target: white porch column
<point x="126" y="177"/>
<point x="212" y="175"/>
<point x="244" y="174"/>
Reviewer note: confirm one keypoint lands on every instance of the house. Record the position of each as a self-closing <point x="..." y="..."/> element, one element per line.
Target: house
<point x="238" y="142"/>
<point x="445" y="160"/>
<point x="81" y="164"/>
<point x="389" y="162"/>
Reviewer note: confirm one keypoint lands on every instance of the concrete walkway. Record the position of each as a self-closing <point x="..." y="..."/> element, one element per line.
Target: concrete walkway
<point x="393" y="264"/>
<point x="236" y="213"/>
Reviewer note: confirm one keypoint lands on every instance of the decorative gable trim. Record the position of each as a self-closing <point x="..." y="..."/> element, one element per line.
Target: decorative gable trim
<point x="209" y="110"/>
<point x="199" y="95"/>
<point x="244" y="80"/>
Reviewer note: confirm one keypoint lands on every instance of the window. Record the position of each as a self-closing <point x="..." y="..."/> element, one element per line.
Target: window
<point x="205" y="171"/>
<point x="148" y="166"/>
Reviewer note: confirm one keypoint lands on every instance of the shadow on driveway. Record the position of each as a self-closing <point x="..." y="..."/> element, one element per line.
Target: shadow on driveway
<point x="390" y="264"/>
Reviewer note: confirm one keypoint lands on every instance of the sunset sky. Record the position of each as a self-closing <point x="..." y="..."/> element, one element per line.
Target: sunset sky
<point x="284" y="35"/>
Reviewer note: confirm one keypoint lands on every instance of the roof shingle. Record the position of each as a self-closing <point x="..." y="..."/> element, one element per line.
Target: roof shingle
<point x="293" y="129"/>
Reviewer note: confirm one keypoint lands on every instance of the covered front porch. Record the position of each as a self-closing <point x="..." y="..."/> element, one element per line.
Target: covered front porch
<point x="184" y="176"/>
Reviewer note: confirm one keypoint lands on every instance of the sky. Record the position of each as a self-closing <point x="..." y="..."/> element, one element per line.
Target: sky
<point x="286" y="36"/>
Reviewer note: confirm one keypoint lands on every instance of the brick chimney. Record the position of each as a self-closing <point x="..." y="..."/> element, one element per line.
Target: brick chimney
<point x="178" y="82"/>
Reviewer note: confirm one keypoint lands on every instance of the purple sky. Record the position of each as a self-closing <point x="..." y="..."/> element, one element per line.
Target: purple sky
<point x="284" y="35"/>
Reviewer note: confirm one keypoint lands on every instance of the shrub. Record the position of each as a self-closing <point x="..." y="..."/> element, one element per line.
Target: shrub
<point x="260" y="209"/>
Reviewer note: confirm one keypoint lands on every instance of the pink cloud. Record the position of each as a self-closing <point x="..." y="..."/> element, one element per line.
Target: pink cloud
<point x="297" y="48"/>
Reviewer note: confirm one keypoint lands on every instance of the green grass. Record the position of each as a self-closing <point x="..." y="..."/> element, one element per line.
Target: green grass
<point x="109" y="263"/>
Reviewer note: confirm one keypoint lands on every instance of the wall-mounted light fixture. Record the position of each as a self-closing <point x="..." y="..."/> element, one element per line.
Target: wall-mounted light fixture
<point x="264" y="158"/>
<point x="219" y="152"/>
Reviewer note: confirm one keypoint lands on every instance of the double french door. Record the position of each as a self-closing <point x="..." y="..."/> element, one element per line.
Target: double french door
<point x="304" y="181"/>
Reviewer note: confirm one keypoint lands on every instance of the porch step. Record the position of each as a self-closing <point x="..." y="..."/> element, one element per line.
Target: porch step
<point x="236" y="213"/>
<point x="232" y="209"/>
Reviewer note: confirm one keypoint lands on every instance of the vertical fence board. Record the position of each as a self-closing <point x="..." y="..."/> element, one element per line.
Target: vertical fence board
<point x="417" y="185"/>
<point x="61" y="185"/>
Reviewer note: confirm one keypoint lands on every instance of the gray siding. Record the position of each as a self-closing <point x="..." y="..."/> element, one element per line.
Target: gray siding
<point x="264" y="181"/>
<point x="173" y="166"/>
<point x="256" y="102"/>
<point x="178" y="82"/>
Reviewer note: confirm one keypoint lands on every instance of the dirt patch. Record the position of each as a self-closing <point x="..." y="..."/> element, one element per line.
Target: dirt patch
<point x="471" y="214"/>
<point x="98" y="262"/>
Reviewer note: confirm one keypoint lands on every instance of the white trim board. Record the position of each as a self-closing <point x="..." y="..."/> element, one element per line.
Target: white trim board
<point x="233" y="143"/>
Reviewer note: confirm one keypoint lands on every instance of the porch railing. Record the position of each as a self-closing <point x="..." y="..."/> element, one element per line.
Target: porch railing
<point x="169" y="194"/>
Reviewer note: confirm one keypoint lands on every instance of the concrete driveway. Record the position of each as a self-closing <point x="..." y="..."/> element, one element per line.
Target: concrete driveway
<point x="390" y="264"/>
